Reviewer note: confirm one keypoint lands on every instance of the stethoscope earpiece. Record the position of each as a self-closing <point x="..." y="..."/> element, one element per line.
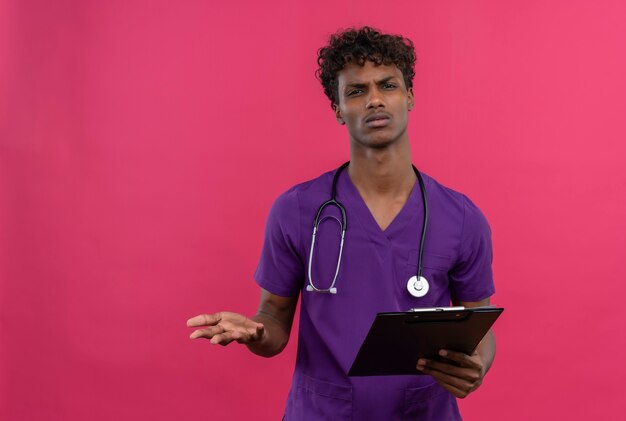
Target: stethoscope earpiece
<point x="331" y="290"/>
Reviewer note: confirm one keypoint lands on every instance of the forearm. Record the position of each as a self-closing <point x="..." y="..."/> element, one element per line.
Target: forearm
<point x="276" y="314"/>
<point x="487" y="350"/>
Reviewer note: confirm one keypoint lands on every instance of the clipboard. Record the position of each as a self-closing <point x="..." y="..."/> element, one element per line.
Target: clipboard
<point x="396" y="340"/>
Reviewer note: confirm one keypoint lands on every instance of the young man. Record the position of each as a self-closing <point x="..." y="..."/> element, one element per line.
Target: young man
<point x="368" y="78"/>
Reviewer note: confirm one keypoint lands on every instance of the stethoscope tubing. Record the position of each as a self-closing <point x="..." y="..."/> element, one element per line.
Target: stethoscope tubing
<point x="343" y="226"/>
<point x="420" y="259"/>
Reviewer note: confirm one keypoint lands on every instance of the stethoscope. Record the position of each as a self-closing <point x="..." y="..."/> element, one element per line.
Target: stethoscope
<point x="417" y="285"/>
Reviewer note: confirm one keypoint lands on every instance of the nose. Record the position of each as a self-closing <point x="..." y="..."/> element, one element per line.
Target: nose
<point x="375" y="99"/>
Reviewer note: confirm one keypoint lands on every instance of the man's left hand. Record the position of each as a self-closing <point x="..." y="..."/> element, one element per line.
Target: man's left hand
<point x="461" y="376"/>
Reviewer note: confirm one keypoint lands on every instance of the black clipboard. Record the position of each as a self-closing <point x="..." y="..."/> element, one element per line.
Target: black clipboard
<point x="396" y="340"/>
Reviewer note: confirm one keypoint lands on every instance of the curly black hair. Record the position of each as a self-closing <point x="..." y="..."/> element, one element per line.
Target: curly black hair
<point x="361" y="45"/>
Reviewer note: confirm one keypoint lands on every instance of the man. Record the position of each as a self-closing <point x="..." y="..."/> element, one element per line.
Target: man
<point x="368" y="78"/>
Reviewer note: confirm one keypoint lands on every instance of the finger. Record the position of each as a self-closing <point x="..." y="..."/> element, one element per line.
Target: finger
<point x="204" y="320"/>
<point x="460" y="358"/>
<point x="246" y="335"/>
<point x="259" y="331"/>
<point x="460" y="383"/>
<point x="459" y="393"/>
<point x="249" y="335"/>
<point x="457" y="386"/>
<point x="468" y="374"/>
<point x="242" y="337"/>
<point x="255" y="330"/>
<point x="222" y="338"/>
<point x="207" y="333"/>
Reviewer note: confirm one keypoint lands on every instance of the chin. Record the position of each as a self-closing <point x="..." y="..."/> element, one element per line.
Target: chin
<point x="381" y="142"/>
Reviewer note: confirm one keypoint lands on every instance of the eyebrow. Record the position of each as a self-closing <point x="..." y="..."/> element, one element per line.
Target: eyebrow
<point x="363" y="85"/>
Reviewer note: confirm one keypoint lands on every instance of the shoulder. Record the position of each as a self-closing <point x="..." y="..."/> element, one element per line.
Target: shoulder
<point x="288" y="215"/>
<point x="453" y="215"/>
<point x="301" y="193"/>
<point x="450" y="199"/>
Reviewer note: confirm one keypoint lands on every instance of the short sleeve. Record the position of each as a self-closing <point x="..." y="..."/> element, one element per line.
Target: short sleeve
<point x="472" y="277"/>
<point x="281" y="268"/>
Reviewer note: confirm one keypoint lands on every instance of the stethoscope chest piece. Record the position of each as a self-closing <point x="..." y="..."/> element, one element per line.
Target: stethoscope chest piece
<point x="417" y="287"/>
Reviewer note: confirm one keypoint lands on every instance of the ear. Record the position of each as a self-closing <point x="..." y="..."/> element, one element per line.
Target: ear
<point x="410" y="99"/>
<point x="338" y="114"/>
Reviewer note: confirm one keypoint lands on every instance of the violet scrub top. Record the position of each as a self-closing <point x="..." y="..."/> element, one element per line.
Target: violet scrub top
<point x="375" y="268"/>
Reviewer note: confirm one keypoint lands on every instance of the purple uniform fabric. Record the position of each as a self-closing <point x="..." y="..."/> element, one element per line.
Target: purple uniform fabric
<point x="375" y="268"/>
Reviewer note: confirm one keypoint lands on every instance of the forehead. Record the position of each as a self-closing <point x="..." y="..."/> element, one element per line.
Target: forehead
<point x="352" y="73"/>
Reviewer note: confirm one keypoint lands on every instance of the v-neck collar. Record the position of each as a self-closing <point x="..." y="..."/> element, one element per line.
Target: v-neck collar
<point x="410" y="210"/>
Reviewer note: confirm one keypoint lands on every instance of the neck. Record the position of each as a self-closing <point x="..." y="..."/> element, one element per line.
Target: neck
<point x="385" y="171"/>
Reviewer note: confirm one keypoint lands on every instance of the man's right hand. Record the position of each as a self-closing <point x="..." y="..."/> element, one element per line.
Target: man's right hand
<point x="266" y="334"/>
<point x="225" y="327"/>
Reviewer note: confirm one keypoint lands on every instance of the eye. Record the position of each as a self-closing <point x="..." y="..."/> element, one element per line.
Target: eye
<point x="354" y="92"/>
<point x="388" y="86"/>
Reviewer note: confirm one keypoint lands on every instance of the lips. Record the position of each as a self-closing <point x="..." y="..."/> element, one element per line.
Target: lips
<point x="377" y="120"/>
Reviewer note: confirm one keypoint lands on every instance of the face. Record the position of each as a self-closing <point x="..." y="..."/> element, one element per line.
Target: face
<point x="373" y="104"/>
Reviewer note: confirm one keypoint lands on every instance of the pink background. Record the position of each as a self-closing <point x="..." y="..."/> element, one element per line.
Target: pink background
<point x="142" y="144"/>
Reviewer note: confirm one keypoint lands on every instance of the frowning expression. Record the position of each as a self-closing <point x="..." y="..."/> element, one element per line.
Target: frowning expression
<point x="373" y="104"/>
